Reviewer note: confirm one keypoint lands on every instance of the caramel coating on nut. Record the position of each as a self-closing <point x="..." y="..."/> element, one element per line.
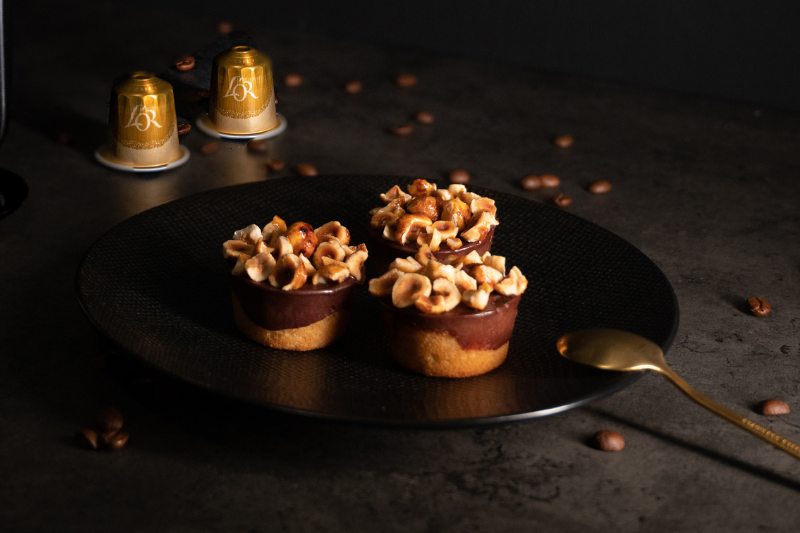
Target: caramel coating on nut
<point x="289" y="274"/>
<point x="457" y="212"/>
<point x="395" y="193"/>
<point x="429" y="206"/>
<point x="484" y="274"/>
<point x="479" y="229"/>
<point x="409" y="226"/>
<point x="481" y="204"/>
<point x="302" y="238"/>
<point x="273" y="230"/>
<point x="421" y="187"/>
<point x="333" y="229"/>
<point x="408" y="288"/>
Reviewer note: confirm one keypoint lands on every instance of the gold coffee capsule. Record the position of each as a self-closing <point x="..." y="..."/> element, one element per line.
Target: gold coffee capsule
<point x="142" y="125"/>
<point x="242" y="98"/>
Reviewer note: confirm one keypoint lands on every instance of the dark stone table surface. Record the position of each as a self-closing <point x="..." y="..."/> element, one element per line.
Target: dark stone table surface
<point x="709" y="190"/>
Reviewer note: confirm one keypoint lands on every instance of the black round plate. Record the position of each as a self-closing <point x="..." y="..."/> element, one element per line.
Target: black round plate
<point x="156" y="285"/>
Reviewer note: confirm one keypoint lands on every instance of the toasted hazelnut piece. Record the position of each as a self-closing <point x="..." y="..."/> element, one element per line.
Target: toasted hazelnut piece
<point x="497" y="262"/>
<point x="389" y="233"/>
<point x="282" y="247"/>
<point x="484" y="274"/>
<point x="479" y="228"/>
<point x="408" y="288"/>
<point x="302" y="238"/>
<point x="481" y="204"/>
<point x="457" y="212"/>
<point x="468" y="197"/>
<point x="273" y="230"/>
<point x="409" y="226"/>
<point x="464" y="281"/>
<point x="328" y="249"/>
<point x="395" y="193"/>
<point x="432" y="240"/>
<point x="233" y="249"/>
<point x="385" y="219"/>
<point x="310" y="270"/>
<point x="250" y="234"/>
<point x="328" y="261"/>
<point x="435" y="270"/>
<point x="475" y="299"/>
<point x="486" y="287"/>
<point x="355" y="262"/>
<point x="261" y="247"/>
<point x="238" y="268"/>
<point x="446" y="297"/>
<point x="513" y="285"/>
<point x="329" y="274"/>
<point x="456" y="188"/>
<point x="333" y="229"/>
<point x="289" y="274"/>
<point x="454" y="244"/>
<point x="374" y="210"/>
<point x="430" y="206"/>
<point x="260" y="267"/>
<point x="472" y="257"/>
<point x="444" y="194"/>
<point x="350" y="250"/>
<point x="445" y="227"/>
<point x="408" y="264"/>
<point x="424" y="254"/>
<point x="421" y="187"/>
<point x="382" y="286"/>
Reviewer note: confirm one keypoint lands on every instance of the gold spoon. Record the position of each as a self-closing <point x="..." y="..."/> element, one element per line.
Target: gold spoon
<point x="612" y="349"/>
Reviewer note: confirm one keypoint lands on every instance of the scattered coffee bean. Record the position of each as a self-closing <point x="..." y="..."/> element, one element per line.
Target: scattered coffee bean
<point x="562" y="200"/>
<point x="353" y="87"/>
<point x="109" y="419"/>
<point x="184" y="128"/>
<point x="759" y="306"/>
<point x="458" y="175"/>
<point x="599" y="187"/>
<point x="258" y="145"/>
<point x="118" y="440"/>
<point x="609" y="441"/>
<point x="86" y="438"/>
<point x="563" y="141"/>
<point x="773" y="407"/>
<point x="423" y="117"/>
<point x="209" y="148"/>
<point x="406" y="80"/>
<point x="107" y="436"/>
<point x="531" y="183"/>
<point x="63" y="138"/>
<point x="405" y="129"/>
<point x="224" y="27"/>
<point x="203" y="93"/>
<point x="306" y="169"/>
<point x="185" y="63"/>
<point x="276" y="165"/>
<point x="293" y="80"/>
<point x="550" y="180"/>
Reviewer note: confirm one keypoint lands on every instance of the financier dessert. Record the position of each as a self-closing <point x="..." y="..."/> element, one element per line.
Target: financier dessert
<point x="293" y="288"/>
<point x="450" y="221"/>
<point x="450" y="318"/>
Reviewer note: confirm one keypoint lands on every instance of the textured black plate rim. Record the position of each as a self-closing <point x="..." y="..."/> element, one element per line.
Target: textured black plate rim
<point x="397" y="423"/>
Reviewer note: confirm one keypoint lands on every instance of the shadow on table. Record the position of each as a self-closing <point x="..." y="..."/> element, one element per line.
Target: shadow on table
<point x="729" y="461"/>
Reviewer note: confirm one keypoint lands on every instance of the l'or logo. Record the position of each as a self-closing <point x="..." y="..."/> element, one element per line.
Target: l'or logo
<point x="239" y="89"/>
<point x="142" y="118"/>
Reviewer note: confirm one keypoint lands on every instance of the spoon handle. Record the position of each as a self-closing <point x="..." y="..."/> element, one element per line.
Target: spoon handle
<point x="731" y="416"/>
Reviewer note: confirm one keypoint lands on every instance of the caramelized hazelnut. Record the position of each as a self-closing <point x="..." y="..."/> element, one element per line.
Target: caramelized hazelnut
<point x="302" y="238"/>
<point x="430" y="206"/>
<point x="421" y="187"/>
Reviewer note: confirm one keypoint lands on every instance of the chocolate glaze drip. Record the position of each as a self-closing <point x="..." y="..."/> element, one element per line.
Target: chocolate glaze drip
<point x="383" y="251"/>
<point x="487" y="329"/>
<point x="275" y="309"/>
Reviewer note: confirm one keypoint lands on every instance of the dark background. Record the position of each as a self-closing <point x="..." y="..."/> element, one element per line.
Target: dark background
<point x="742" y="50"/>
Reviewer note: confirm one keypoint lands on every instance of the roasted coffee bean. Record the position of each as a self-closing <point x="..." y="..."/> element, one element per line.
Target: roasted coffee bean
<point x="293" y="80"/>
<point x="562" y="200"/>
<point x="224" y="27"/>
<point x="599" y="187"/>
<point x="531" y="183"/>
<point x="550" y="180"/>
<point x="107" y="436"/>
<point x="185" y="63"/>
<point x="258" y="145"/>
<point x="353" y="87"/>
<point x="209" y="148"/>
<point x="276" y="165"/>
<point x="406" y="80"/>
<point x="86" y="438"/>
<point x="405" y="129"/>
<point x="609" y="441"/>
<point x="563" y="141"/>
<point x="458" y="175"/>
<point x="306" y="169"/>
<point x="773" y="407"/>
<point x="184" y="128"/>
<point x="759" y="306"/>
<point x="203" y="93"/>
<point x="423" y="117"/>
<point x="109" y="419"/>
<point x="117" y="441"/>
